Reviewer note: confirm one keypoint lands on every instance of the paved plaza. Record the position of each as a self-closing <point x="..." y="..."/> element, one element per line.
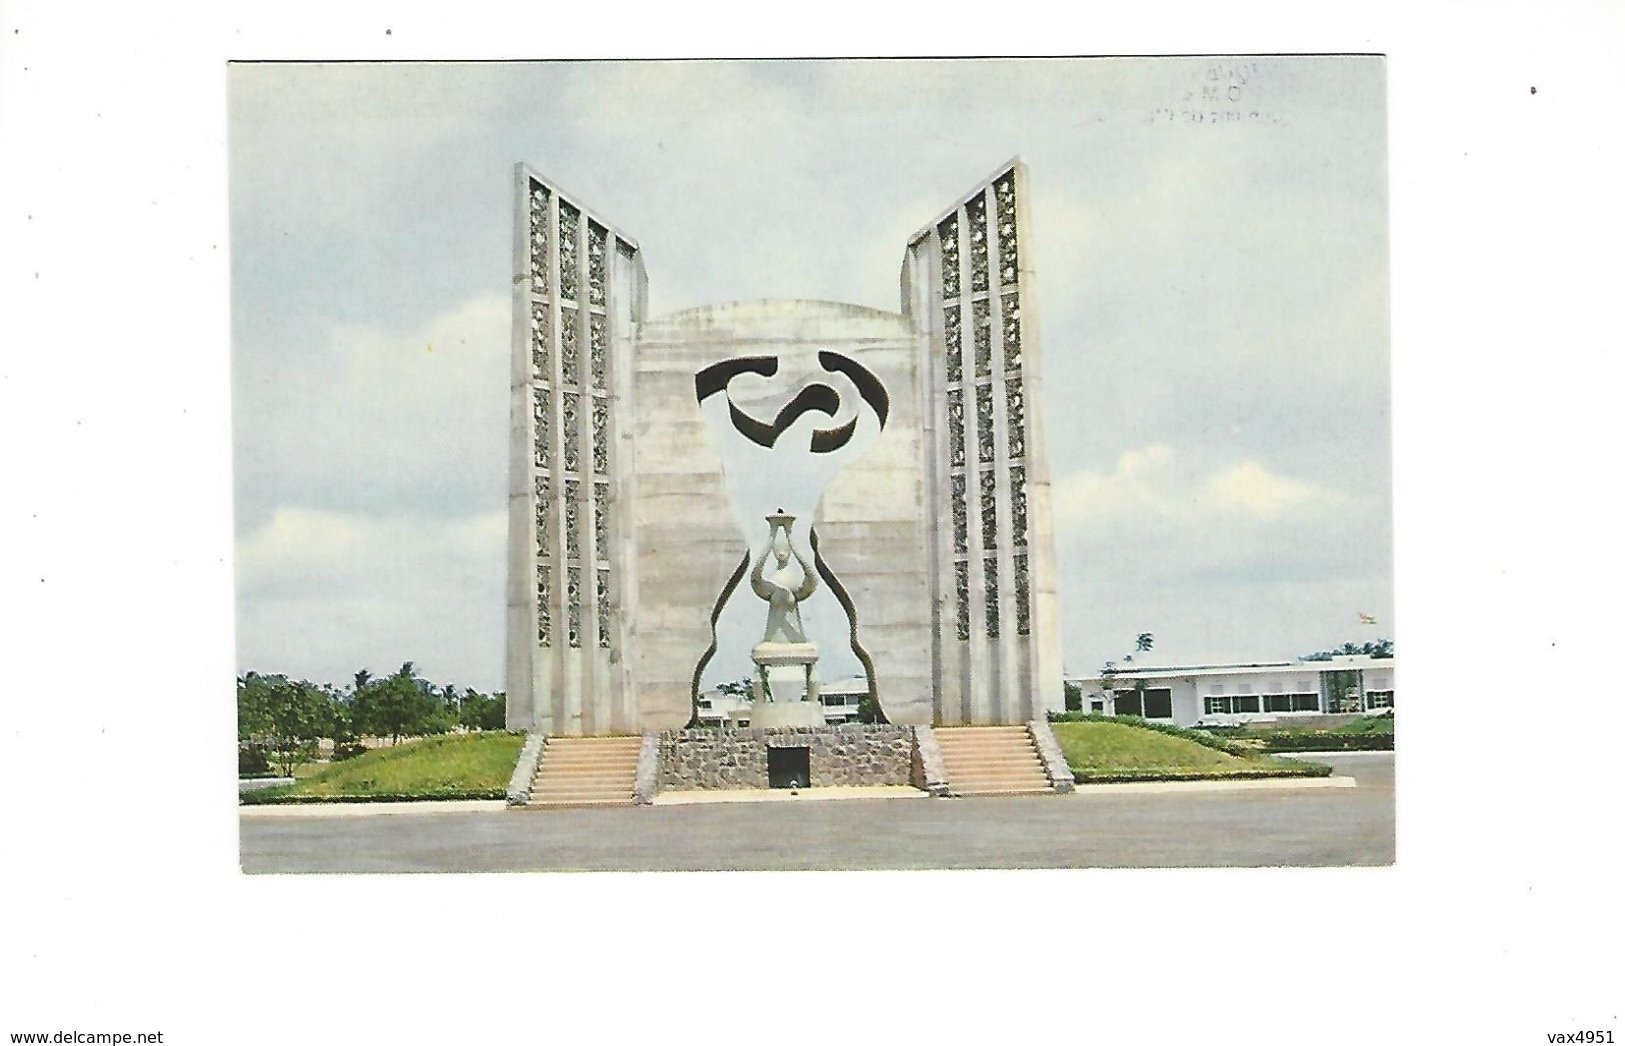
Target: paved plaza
<point x="1223" y="827"/>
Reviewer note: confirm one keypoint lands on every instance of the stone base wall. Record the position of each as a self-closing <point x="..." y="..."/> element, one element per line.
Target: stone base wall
<point x="1050" y="755"/>
<point x="930" y="772"/>
<point x="524" y="769"/>
<point x="852" y="754"/>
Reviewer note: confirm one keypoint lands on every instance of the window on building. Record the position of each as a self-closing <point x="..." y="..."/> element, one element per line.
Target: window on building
<point x="1379" y="699"/>
<point x="1278" y="703"/>
<point x="1306" y="702"/>
<point x="1234" y="704"/>
<point x="1159" y="704"/>
<point x="1126" y="702"/>
<point x="1097" y="708"/>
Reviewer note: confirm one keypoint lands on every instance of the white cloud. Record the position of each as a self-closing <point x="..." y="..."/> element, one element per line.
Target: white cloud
<point x="1219" y="558"/>
<point x="323" y="593"/>
<point x="1251" y="489"/>
<point x="1157" y="483"/>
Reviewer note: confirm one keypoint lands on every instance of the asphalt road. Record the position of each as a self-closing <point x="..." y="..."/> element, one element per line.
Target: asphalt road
<point x="1302" y="827"/>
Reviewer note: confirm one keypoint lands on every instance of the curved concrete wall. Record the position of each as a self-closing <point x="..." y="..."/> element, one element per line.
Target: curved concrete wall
<point x="685" y="539"/>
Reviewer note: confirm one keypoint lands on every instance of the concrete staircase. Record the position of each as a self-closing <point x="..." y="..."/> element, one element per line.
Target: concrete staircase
<point x="585" y="771"/>
<point x="991" y="760"/>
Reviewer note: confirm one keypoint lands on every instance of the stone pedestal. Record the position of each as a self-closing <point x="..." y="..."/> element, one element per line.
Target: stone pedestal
<point x="786" y="686"/>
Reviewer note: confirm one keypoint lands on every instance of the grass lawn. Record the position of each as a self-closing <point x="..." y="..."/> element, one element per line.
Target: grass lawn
<point x="455" y="766"/>
<point x="1099" y="750"/>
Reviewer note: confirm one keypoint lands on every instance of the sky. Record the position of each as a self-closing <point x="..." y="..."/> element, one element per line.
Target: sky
<point x="1210" y="245"/>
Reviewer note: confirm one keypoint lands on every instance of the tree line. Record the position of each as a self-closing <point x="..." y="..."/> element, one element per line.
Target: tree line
<point x="1381" y="648"/>
<point x="281" y="721"/>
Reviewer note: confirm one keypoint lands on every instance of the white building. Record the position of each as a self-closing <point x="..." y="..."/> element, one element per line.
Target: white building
<point x="1224" y="695"/>
<point x="840" y="700"/>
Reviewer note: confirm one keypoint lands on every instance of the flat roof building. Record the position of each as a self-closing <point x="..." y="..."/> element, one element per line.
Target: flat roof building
<point x="1232" y="694"/>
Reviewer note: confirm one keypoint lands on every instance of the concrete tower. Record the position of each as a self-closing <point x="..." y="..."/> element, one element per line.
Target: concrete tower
<point x="967" y="286"/>
<point x="623" y="545"/>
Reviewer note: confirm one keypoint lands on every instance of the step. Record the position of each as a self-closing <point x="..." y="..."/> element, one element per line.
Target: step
<point x="972" y="759"/>
<point x="1001" y="739"/>
<point x="592" y="767"/>
<point x="583" y="782"/>
<point x="590" y="752"/>
<point x="551" y="780"/>
<point x="578" y="761"/>
<point x="629" y="744"/>
<point x="586" y="771"/>
<point x="1004" y="766"/>
<point x="1000" y="773"/>
<point x="995" y="784"/>
<point x="576" y="783"/>
<point x="571" y="804"/>
<point x="998" y="782"/>
<point x="587" y="753"/>
<point x="972" y="793"/>
<point x="963" y="774"/>
<point x="623" y="794"/>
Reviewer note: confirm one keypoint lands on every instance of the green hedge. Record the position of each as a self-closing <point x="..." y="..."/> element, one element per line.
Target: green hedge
<point x="280" y="796"/>
<point x="1129" y="776"/>
<point x="1328" y="742"/>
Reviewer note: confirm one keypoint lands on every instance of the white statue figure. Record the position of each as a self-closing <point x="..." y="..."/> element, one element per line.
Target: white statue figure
<point x="785" y="653"/>
<point x="783" y="598"/>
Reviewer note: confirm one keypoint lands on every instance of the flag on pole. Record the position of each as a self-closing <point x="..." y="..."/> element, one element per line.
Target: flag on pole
<point x="1367" y="619"/>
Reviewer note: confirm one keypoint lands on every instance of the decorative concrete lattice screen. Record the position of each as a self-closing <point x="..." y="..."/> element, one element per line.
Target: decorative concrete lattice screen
<point x="578" y="290"/>
<point x="968" y="285"/>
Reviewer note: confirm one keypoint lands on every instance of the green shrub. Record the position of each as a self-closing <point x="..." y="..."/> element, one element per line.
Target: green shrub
<point x="251" y="759"/>
<point x="282" y="795"/>
<point x="1135" y="776"/>
<point x="1330" y="741"/>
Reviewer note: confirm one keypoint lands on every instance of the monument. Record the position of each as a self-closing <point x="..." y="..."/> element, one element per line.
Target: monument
<point x="624" y="548"/>
<point x="785" y="689"/>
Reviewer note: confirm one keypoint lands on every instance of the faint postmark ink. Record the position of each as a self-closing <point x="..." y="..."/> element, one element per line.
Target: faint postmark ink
<point x="1221" y="93"/>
